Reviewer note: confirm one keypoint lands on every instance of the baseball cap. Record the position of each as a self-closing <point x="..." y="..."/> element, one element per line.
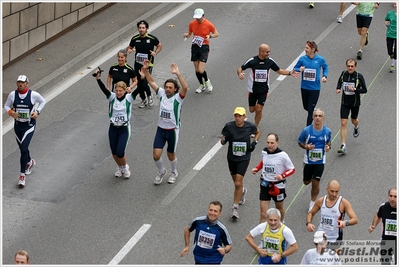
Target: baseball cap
<point x="319" y="237"/>
<point x="240" y="111"/>
<point x="22" y="78"/>
<point x="198" y="13"/>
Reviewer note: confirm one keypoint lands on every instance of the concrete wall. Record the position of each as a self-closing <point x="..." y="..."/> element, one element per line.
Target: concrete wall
<point x="27" y="25"/>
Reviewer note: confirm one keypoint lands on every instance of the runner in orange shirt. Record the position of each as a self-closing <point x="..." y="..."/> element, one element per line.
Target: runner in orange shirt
<point x="202" y="30"/>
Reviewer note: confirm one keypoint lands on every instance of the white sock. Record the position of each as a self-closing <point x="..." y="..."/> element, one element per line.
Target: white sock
<point x="159" y="164"/>
<point x="173" y="164"/>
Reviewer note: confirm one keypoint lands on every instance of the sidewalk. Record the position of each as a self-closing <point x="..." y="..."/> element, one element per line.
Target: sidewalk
<point x="65" y="55"/>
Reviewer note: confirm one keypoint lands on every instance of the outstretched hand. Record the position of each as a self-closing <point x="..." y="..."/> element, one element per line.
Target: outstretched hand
<point x="174" y="69"/>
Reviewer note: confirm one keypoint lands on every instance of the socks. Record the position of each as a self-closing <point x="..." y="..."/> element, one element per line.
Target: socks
<point x="159" y="165"/>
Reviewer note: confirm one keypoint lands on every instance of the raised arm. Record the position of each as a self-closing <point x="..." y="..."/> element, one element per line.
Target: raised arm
<point x="144" y="71"/>
<point x="175" y="70"/>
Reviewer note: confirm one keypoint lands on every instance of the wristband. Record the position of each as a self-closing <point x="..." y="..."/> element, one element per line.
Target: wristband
<point x="346" y="223"/>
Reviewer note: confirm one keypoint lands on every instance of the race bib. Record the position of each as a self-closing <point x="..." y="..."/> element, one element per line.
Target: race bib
<point x="309" y="75"/>
<point x="390" y="227"/>
<point x="239" y="148"/>
<point x="260" y="76"/>
<point x="140" y="57"/>
<point x="327" y="221"/>
<point x="346" y="86"/>
<point x="198" y="40"/>
<point x="23" y="113"/>
<point x="119" y="119"/>
<point x="271" y="244"/>
<point x="316" y="154"/>
<point x="206" y="240"/>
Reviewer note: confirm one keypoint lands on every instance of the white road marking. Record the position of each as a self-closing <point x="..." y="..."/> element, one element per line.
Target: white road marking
<point x="130" y="244"/>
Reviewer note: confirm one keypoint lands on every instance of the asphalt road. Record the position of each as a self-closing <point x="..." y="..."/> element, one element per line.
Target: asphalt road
<point x="74" y="211"/>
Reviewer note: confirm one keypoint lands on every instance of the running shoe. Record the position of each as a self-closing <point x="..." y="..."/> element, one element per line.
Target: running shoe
<point x="208" y="85"/>
<point x="150" y="101"/>
<point x="235" y="214"/>
<point x="29" y="166"/>
<point x="356" y="131"/>
<point x="242" y="199"/>
<point x="172" y="177"/>
<point x="200" y="89"/>
<point x="143" y="103"/>
<point x="21" y="181"/>
<point x="392" y="69"/>
<point x="339" y="19"/>
<point x="367" y="38"/>
<point x="342" y="149"/>
<point x="359" y="54"/>
<point x="311" y="5"/>
<point x="126" y="172"/>
<point x="119" y="172"/>
<point x="159" y="177"/>
<point x="311" y="204"/>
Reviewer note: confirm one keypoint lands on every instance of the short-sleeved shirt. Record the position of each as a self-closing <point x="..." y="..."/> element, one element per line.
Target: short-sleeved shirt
<point x="121" y="73"/>
<point x="143" y="46"/>
<point x="169" y="110"/>
<point x="209" y="236"/>
<point x="258" y="81"/>
<point x="391" y="29"/>
<point x="319" y="138"/>
<point x="311" y="257"/>
<point x="238" y="147"/>
<point x="200" y="31"/>
<point x="389" y="221"/>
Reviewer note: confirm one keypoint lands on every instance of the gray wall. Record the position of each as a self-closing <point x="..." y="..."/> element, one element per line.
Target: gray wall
<point x="27" y="25"/>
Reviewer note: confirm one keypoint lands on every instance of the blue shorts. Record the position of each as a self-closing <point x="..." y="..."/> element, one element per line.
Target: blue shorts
<point x="166" y="135"/>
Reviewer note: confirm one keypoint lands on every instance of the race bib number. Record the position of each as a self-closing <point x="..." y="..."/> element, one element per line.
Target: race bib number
<point x="165" y="114"/>
<point x="346" y="86"/>
<point x="119" y="119"/>
<point x="140" y="57"/>
<point x="269" y="171"/>
<point x="260" y="76"/>
<point x="316" y="154"/>
<point x="23" y="113"/>
<point x="239" y="148"/>
<point x="198" y="40"/>
<point x="272" y="245"/>
<point x="327" y="221"/>
<point x="206" y="240"/>
<point x="390" y="227"/>
<point x="309" y="75"/>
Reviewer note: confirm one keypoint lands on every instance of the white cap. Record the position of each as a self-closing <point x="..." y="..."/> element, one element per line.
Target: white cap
<point x="198" y="13"/>
<point x="319" y="237"/>
<point x="22" y="78"/>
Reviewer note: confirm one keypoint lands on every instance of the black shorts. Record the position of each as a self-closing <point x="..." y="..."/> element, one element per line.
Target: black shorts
<point x="312" y="171"/>
<point x="265" y="196"/>
<point x="346" y="109"/>
<point x="199" y="53"/>
<point x="257" y="98"/>
<point x="238" y="167"/>
<point x="363" y="22"/>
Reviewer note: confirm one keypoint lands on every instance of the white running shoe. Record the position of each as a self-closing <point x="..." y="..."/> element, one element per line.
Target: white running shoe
<point x="159" y="177"/>
<point x="150" y="101"/>
<point x="126" y="172"/>
<point x="200" y="89"/>
<point x="235" y="214"/>
<point x="242" y="199"/>
<point x="143" y="103"/>
<point x="21" y="181"/>
<point x="208" y="85"/>
<point x="172" y="177"/>
<point x="119" y="172"/>
<point x="29" y="166"/>
<point x="339" y="19"/>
